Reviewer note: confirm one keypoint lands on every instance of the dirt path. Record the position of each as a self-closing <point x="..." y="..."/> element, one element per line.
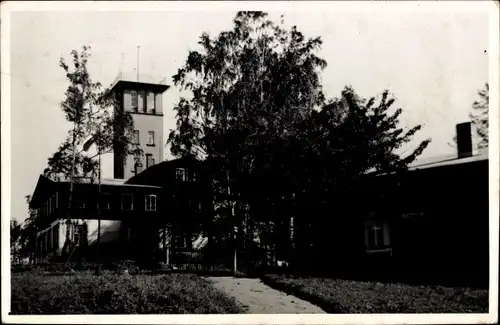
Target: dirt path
<point x="261" y="299"/>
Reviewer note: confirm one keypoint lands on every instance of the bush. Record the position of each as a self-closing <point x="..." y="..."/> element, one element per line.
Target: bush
<point x="342" y="296"/>
<point x="84" y="293"/>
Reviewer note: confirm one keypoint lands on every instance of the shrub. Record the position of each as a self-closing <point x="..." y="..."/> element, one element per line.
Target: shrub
<point x="110" y="293"/>
<point x="342" y="296"/>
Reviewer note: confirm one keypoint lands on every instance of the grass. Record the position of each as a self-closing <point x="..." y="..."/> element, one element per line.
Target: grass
<point x="342" y="296"/>
<point x="111" y="293"/>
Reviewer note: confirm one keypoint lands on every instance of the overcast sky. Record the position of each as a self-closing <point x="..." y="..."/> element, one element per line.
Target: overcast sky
<point x="433" y="63"/>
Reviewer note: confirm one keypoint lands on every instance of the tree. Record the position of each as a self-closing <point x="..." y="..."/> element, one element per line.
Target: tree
<point x="258" y="115"/>
<point x="96" y="119"/>
<point x="15" y="233"/>
<point x="90" y="110"/>
<point x="249" y="86"/>
<point x="479" y="116"/>
<point x="27" y="239"/>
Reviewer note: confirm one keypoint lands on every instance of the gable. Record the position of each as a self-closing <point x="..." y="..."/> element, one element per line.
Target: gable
<point x="43" y="186"/>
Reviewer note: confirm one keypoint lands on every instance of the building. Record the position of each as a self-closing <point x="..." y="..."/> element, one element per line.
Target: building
<point x="153" y="214"/>
<point x="188" y="204"/>
<point x="70" y="232"/>
<point x="143" y="100"/>
<point x="108" y="213"/>
<point x="429" y="224"/>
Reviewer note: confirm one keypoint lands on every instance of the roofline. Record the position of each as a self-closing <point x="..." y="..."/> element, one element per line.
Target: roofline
<point x="156" y="166"/>
<point x="105" y="183"/>
<point x="123" y="83"/>
<point x="436" y="164"/>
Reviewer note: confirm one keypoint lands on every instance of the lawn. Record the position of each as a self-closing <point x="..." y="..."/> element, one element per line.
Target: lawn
<point x="342" y="296"/>
<point x="111" y="293"/>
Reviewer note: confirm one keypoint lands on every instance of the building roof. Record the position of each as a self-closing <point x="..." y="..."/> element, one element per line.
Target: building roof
<point x="44" y="182"/>
<point x="110" y="182"/>
<point x="126" y="80"/>
<point x="481" y="155"/>
<point x="435" y="162"/>
<point x="156" y="170"/>
<point x="121" y="182"/>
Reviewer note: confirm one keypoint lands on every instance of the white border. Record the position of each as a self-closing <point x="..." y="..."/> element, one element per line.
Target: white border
<point x="303" y="6"/>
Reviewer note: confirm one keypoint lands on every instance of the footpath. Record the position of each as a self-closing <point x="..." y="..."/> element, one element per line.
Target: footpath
<point x="259" y="298"/>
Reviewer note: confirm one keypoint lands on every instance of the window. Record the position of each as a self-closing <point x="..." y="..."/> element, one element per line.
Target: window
<point x="180" y="242"/>
<point x="151" y="202"/>
<point x="138" y="167"/>
<point x="53" y="203"/>
<point x="136" y="137"/>
<point x="151" y="138"/>
<point x="151" y="103"/>
<point x="127" y="202"/>
<point x="134" y="105"/>
<point x="49" y="240"/>
<point x="79" y="234"/>
<point x="141" y="101"/>
<point x="376" y="235"/>
<point x="79" y="201"/>
<point x="55" y="237"/>
<point x="180" y="174"/>
<point x="150" y="161"/>
<point x="105" y="201"/>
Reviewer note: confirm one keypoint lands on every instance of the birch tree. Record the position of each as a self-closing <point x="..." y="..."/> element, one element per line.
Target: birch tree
<point x="248" y="86"/>
<point x="480" y="115"/>
<point x="89" y="108"/>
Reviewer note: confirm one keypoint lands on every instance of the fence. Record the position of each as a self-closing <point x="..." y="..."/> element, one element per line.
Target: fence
<point x="221" y="260"/>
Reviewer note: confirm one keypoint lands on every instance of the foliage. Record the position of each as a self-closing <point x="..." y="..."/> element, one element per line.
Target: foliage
<point x="27" y="237"/>
<point x="480" y="115"/>
<point x="89" y="108"/>
<point x="258" y="115"/>
<point x="83" y="293"/>
<point x="249" y="86"/>
<point x="15" y="234"/>
<point x="342" y="296"/>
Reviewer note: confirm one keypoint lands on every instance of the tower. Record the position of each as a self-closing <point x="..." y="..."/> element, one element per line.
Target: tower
<point x="143" y="100"/>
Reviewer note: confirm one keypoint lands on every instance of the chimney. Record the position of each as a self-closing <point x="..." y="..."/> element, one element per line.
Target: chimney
<point x="464" y="140"/>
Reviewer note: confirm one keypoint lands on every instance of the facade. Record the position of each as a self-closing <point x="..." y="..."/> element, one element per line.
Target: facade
<point x="73" y="232"/>
<point x="427" y="224"/>
<point x="186" y="186"/>
<point x="432" y="221"/>
<point x="153" y="214"/>
<point x="143" y="101"/>
<point x="148" y="209"/>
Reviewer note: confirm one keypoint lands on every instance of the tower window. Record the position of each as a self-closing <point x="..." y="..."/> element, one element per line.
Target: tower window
<point x="151" y="103"/>
<point x="150" y="161"/>
<point x="136" y="137"/>
<point x="138" y="167"/>
<point x="141" y="101"/>
<point x="151" y="138"/>
<point x="134" y="104"/>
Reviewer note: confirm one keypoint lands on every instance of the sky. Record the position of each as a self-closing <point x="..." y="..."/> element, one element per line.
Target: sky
<point x="433" y="63"/>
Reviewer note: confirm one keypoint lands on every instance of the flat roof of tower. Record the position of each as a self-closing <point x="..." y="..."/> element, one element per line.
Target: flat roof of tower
<point x="141" y="81"/>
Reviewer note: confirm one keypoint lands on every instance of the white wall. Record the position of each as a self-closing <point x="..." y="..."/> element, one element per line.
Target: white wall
<point x="110" y="230"/>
